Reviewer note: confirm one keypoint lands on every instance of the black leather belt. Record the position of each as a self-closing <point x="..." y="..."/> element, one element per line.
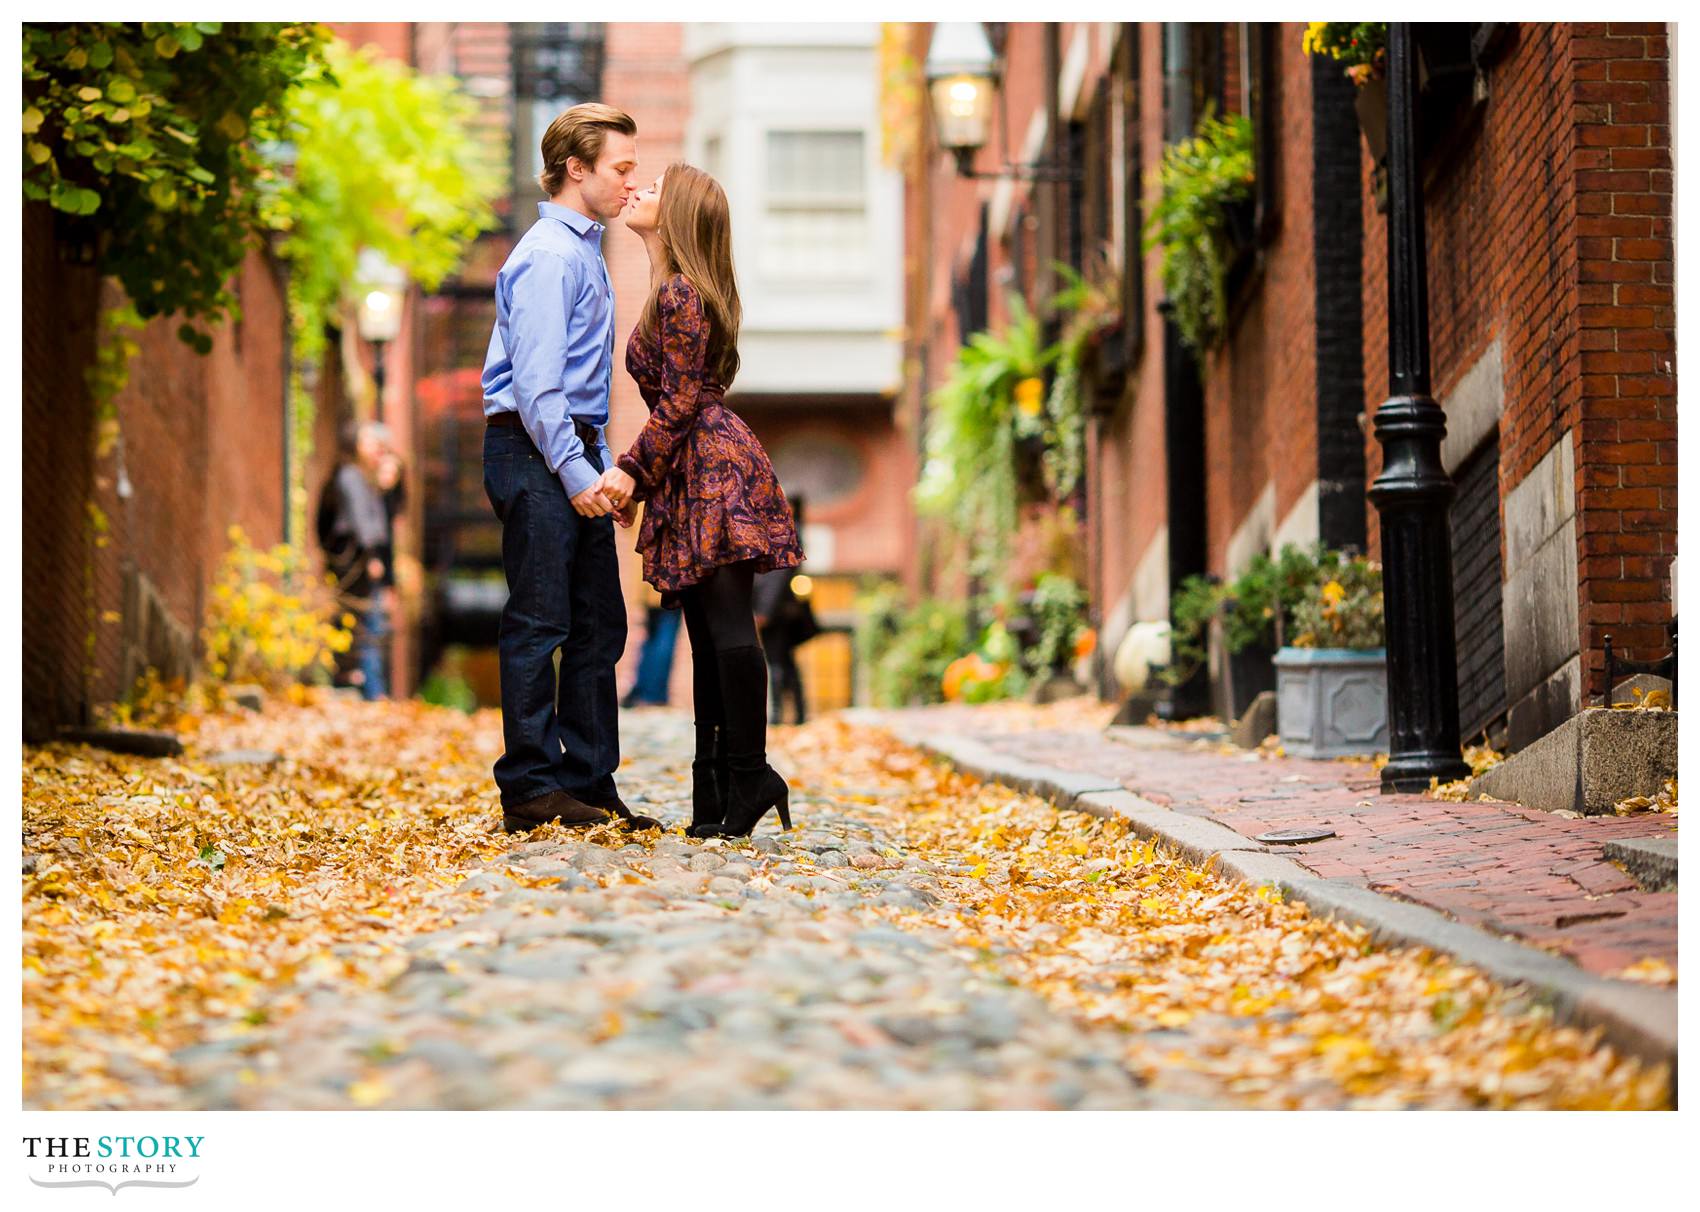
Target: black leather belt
<point x="510" y="420"/>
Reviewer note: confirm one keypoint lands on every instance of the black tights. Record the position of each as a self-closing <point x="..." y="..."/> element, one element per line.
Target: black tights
<point x="719" y="616"/>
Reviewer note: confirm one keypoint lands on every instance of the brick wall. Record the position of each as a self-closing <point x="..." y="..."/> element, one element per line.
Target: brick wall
<point x="1549" y="228"/>
<point x="1260" y="385"/>
<point x="1626" y="314"/>
<point x="201" y="450"/>
<point x="59" y="303"/>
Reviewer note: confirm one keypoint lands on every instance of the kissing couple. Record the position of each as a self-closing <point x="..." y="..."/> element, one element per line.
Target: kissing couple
<point x="714" y="515"/>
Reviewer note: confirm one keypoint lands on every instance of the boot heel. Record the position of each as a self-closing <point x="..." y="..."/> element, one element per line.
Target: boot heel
<point x="516" y="824"/>
<point x="784" y="807"/>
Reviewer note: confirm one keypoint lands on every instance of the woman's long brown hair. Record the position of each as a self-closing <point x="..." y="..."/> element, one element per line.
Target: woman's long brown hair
<point x="695" y="229"/>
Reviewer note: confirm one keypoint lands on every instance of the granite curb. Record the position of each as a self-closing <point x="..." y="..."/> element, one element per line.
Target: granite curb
<point x="1637" y="1019"/>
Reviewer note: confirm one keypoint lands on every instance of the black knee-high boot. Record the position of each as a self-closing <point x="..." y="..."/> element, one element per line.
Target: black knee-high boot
<point x="752" y="786"/>
<point x="708" y="781"/>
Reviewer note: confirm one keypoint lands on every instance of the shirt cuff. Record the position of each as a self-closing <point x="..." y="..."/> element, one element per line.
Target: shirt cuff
<point x="577" y="474"/>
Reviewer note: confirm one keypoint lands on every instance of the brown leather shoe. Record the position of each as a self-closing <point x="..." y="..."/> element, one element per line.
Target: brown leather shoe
<point x="630" y="819"/>
<point x="552" y="806"/>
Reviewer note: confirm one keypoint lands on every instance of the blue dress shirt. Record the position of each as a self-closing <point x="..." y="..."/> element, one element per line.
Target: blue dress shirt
<point x="551" y="356"/>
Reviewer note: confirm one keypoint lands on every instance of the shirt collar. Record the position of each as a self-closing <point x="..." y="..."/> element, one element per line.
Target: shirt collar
<point x="584" y="225"/>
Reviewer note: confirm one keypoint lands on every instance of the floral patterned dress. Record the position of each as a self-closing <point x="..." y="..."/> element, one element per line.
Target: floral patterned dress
<point x="710" y="493"/>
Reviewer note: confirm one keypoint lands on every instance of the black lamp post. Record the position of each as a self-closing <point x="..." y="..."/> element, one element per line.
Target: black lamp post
<point x="1413" y="491"/>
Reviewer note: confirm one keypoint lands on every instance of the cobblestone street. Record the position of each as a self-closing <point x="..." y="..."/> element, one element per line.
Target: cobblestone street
<point x="919" y="941"/>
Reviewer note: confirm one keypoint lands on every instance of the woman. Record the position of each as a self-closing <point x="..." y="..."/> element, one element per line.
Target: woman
<point x="714" y="514"/>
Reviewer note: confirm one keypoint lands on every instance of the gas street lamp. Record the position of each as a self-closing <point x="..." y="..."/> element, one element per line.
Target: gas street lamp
<point x="962" y="83"/>
<point x="381" y="290"/>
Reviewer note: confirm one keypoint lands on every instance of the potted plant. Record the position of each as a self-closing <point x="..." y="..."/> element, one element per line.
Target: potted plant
<point x="1361" y="48"/>
<point x="1091" y="356"/>
<point x="1057" y="610"/>
<point x="1331" y="682"/>
<point x="1200" y="183"/>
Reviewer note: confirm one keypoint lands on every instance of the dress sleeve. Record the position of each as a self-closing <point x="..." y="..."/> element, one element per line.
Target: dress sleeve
<point x="682" y="331"/>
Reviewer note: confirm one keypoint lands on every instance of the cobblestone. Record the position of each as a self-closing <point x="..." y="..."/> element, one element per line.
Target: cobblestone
<point x="675" y="973"/>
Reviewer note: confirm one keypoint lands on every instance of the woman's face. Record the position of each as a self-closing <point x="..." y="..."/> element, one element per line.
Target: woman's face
<point x="643" y="212"/>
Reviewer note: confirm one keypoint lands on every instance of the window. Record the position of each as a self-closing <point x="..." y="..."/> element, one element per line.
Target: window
<point x="817" y="222"/>
<point x="556" y="65"/>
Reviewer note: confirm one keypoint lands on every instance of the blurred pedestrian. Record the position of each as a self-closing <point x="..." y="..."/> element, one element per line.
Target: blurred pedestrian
<point x="353" y="531"/>
<point x="786" y="621"/>
<point x="655" y="658"/>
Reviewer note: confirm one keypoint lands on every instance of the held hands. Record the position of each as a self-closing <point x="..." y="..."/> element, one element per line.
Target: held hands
<point x="612" y="494"/>
<point x="618" y="487"/>
<point x="591" y="503"/>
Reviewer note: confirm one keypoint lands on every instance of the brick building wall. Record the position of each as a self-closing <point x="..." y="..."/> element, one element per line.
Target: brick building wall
<point x="59" y="302"/>
<point x="1260" y="385"/>
<point x="201" y="450"/>
<point x="1551" y="338"/>
<point x="1549" y="263"/>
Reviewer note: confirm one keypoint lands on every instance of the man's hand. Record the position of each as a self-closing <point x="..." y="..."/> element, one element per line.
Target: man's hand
<point x="618" y="487"/>
<point x="591" y="503"/>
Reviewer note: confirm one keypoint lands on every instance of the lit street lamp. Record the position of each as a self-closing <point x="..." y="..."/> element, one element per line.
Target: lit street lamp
<point x="962" y="82"/>
<point x="381" y="288"/>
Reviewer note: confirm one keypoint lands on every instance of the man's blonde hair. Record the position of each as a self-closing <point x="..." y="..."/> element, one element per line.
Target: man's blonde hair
<point x="579" y="131"/>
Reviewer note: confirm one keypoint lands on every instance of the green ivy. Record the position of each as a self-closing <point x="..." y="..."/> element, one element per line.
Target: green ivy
<point x="147" y="136"/>
<point x="1197" y="181"/>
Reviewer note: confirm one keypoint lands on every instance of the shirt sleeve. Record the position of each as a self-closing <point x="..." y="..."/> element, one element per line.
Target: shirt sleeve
<point x="682" y="331"/>
<point x="540" y="304"/>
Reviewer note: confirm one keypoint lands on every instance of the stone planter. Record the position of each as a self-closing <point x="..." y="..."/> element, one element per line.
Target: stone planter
<point x="1332" y="702"/>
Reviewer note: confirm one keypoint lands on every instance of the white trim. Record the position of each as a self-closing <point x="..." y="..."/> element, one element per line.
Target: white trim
<point x="1473" y="407"/>
<point x="1252" y="537"/>
<point x="1073" y="78"/>
<point x="1303" y="524"/>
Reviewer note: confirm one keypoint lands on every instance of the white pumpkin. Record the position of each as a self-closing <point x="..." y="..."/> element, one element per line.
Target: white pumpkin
<point x="1145" y="644"/>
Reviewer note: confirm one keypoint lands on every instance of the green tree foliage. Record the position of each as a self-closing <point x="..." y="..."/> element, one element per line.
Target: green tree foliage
<point x="383" y="158"/>
<point x="148" y="134"/>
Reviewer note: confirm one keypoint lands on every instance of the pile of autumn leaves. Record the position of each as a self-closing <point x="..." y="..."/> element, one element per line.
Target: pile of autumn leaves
<point x="1255" y="997"/>
<point x="169" y="903"/>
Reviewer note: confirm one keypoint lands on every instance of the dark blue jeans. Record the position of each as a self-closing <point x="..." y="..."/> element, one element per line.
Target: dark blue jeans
<point x="372" y="639"/>
<point x="560" y="733"/>
<point x="655" y="661"/>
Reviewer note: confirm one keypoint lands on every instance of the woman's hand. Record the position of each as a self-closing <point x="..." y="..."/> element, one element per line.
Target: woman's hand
<point x="618" y="487"/>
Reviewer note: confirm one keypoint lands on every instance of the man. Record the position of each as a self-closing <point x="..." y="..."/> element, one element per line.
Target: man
<point x="546" y="386"/>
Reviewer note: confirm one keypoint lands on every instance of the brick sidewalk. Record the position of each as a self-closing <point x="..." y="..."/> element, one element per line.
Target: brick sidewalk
<point x="1534" y="876"/>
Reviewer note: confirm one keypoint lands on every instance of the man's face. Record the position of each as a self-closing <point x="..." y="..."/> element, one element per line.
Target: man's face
<point x="606" y="187"/>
